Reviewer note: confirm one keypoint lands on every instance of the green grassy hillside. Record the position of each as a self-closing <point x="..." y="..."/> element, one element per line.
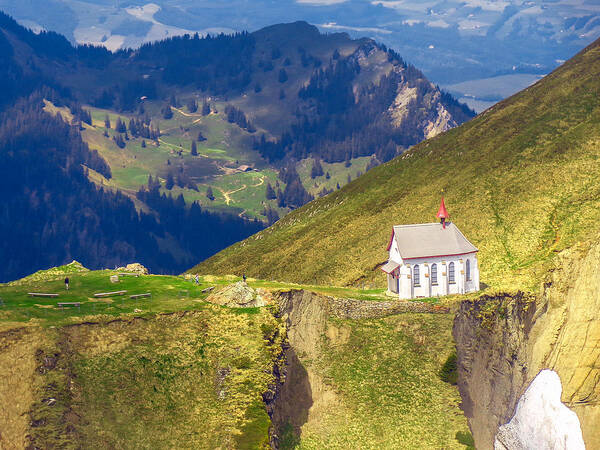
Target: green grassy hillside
<point x="161" y="372"/>
<point x="175" y="371"/>
<point x="520" y="180"/>
<point x="376" y="384"/>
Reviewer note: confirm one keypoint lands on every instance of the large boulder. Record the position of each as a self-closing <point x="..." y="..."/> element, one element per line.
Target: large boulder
<point x="134" y="268"/>
<point x="240" y="295"/>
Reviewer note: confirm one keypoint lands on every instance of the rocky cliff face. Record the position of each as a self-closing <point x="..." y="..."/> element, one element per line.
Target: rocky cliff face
<point x="504" y="341"/>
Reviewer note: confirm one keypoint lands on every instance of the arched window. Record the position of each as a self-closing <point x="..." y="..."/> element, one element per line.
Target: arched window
<point x="434" y="273"/>
<point x="468" y="270"/>
<point x="451" y="278"/>
<point x="416" y="277"/>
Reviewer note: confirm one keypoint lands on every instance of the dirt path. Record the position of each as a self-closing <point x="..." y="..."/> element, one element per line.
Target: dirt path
<point x="260" y="183"/>
<point x="227" y="194"/>
<point x="183" y="113"/>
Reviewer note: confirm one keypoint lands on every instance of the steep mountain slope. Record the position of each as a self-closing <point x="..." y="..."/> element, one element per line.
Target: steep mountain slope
<point x="447" y="39"/>
<point x="520" y="180"/>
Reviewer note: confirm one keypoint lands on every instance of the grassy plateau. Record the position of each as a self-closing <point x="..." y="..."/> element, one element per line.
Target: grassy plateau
<point x="174" y="370"/>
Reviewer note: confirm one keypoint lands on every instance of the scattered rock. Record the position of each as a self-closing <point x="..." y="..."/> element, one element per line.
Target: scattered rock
<point x="240" y="295"/>
<point x="220" y="381"/>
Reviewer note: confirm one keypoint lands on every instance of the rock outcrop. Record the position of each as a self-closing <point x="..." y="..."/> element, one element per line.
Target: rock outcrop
<point x="134" y="268"/>
<point x="240" y="295"/>
<point x="504" y="341"/>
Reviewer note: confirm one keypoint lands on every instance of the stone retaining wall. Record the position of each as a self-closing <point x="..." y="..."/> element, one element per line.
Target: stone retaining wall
<point x="347" y="308"/>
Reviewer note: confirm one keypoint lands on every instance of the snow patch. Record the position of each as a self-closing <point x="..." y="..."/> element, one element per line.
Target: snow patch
<point x="541" y="420"/>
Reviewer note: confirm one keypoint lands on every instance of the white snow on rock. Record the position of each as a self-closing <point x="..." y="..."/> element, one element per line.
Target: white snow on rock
<point x="541" y="420"/>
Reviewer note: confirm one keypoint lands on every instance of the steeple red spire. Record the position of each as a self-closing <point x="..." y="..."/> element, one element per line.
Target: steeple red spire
<point x="443" y="213"/>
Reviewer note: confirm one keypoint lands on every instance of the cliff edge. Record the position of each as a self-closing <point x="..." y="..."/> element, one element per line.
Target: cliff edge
<point x="504" y="341"/>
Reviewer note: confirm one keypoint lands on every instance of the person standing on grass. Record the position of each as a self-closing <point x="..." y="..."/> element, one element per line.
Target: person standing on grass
<point x="67" y="283"/>
<point x="244" y="277"/>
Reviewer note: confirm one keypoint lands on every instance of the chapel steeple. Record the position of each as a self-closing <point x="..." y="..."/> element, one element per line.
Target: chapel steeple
<point x="443" y="213"/>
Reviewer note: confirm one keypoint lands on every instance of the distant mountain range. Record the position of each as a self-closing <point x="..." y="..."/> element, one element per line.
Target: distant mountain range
<point x="451" y="41"/>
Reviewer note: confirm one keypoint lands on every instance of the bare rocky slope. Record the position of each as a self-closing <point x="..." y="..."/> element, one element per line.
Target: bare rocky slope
<point x="504" y="341"/>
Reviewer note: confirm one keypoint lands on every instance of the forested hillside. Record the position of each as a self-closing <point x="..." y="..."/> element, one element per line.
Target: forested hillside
<point x="51" y="211"/>
<point x="193" y="142"/>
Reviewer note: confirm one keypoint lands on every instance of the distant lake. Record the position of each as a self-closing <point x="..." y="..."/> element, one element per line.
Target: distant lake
<point x="482" y="93"/>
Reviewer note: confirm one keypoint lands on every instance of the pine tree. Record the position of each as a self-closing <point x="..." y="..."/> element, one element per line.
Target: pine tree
<point x="170" y="181"/>
<point x="133" y="128"/>
<point x="119" y="141"/>
<point x="283" y="76"/>
<point x="272" y="215"/>
<point x="120" y="126"/>
<point x="271" y="195"/>
<point x="167" y="112"/>
<point x="327" y="176"/>
<point x="317" y="169"/>
<point x="205" y="108"/>
<point x="192" y="106"/>
<point x="107" y="122"/>
<point x="209" y="194"/>
<point x="194" y="150"/>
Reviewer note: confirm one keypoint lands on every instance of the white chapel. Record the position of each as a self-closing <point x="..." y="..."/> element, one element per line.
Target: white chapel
<point x="431" y="259"/>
